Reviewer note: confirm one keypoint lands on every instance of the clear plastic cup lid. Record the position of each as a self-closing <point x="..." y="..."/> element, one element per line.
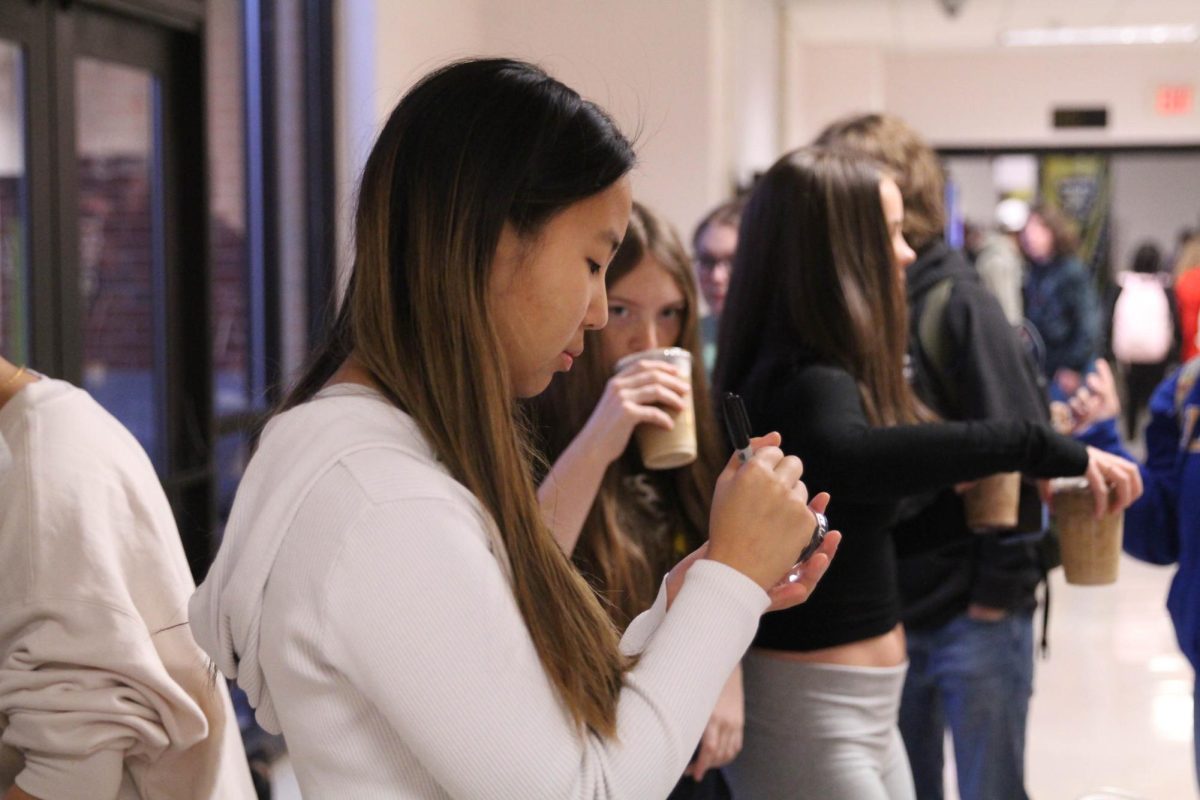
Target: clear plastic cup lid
<point x="1068" y="484"/>
<point x="672" y="355"/>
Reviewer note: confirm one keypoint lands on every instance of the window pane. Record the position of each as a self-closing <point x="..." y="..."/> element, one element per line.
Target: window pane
<point x="225" y="94"/>
<point x="14" y="220"/>
<point x="121" y="252"/>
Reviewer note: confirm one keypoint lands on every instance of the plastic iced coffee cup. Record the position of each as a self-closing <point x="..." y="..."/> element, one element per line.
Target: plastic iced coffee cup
<point x="1091" y="548"/>
<point x="992" y="504"/>
<point x="662" y="448"/>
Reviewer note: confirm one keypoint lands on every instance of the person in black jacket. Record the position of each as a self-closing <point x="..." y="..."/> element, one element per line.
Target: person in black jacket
<point x="968" y="600"/>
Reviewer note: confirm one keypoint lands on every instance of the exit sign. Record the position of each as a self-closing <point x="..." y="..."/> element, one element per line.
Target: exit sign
<point x="1173" y="100"/>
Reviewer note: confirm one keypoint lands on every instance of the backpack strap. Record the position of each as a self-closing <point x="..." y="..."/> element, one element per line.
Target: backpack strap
<point x="932" y="341"/>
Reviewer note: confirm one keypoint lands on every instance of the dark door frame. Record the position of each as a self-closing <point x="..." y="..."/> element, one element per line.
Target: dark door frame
<point x="170" y="46"/>
<point x="52" y="34"/>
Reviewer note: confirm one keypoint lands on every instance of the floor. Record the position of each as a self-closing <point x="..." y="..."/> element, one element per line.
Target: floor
<point x="1112" y="709"/>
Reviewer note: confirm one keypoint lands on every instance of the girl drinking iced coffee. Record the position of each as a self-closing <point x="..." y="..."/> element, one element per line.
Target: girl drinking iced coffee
<point x="624" y="523"/>
<point x="387" y="591"/>
<point x="813" y="335"/>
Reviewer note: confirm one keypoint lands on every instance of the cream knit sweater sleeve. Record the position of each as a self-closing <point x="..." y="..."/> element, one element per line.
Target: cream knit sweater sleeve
<point x="422" y="622"/>
<point x="103" y="693"/>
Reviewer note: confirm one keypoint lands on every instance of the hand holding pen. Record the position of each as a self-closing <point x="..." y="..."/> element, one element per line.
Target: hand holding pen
<point x="737" y="423"/>
<point x="761" y="519"/>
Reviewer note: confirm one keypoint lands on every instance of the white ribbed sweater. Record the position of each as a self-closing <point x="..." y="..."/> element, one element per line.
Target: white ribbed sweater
<point x="362" y="601"/>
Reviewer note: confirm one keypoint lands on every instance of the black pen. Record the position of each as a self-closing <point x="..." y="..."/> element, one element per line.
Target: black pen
<point x="737" y="423"/>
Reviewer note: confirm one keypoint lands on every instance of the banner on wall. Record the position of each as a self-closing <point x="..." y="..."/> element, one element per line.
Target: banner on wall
<point x="1080" y="186"/>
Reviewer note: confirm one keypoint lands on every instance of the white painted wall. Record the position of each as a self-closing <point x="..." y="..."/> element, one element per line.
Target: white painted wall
<point x="717" y="89"/>
<point x="987" y="96"/>
<point x="753" y="86"/>
<point x="696" y="81"/>
<point x="354" y="79"/>
<point x="412" y="37"/>
<point x="1154" y="196"/>
<point x="827" y="82"/>
<point x="976" y="189"/>
<point x="655" y="66"/>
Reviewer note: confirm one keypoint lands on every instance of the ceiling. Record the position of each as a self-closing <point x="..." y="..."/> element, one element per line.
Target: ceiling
<point x="924" y="24"/>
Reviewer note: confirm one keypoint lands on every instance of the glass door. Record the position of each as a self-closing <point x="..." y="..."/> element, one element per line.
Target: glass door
<point x="14" y="201"/>
<point x="122" y="269"/>
<point x="28" y="296"/>
<point x="103" y="223"/>
<point x="135" y="229"/>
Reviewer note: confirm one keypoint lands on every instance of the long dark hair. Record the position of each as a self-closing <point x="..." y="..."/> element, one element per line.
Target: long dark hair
<point x="814" y="273"/>
<point x="473" y="146"/>
<point x="625" y="566"/>
<point x="1147" y="259"/>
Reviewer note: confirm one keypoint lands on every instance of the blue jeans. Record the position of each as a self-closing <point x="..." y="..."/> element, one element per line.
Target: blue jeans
<point x="975" y="678"/>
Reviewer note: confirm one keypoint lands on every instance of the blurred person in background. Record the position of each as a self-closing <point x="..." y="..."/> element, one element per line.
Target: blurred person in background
<point x="103" y="692"/>
<point x="1060" y="299"/>
<point x="1000" y="264"/>
<point x="1187" y="296"/>
<point x="967" y="600"/>
<point x="714" y="245"/>
<point x="1143" y="331"/>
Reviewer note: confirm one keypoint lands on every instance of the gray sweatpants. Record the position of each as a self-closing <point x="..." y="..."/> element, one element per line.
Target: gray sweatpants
<point x="821" y="731"/>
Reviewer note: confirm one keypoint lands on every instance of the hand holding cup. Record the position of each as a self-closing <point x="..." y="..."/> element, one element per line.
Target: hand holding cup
<point x="643" y="392"/>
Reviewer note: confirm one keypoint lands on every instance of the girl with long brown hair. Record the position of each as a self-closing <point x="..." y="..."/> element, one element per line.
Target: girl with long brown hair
<point x="625" y="525"/>
<point x="814" y="335"/>
<point x="387" y="591"/>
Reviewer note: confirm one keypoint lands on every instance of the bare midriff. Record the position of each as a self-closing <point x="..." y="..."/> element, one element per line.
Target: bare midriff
<point x="887" y="650"/>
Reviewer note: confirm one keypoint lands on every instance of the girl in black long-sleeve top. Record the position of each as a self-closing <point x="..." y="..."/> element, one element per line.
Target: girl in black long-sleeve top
<point x="813" y="336"/>
<point x="869" y="470"/>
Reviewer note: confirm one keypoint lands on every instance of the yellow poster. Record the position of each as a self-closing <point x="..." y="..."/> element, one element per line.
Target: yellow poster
<point x="1079" y="186"/>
